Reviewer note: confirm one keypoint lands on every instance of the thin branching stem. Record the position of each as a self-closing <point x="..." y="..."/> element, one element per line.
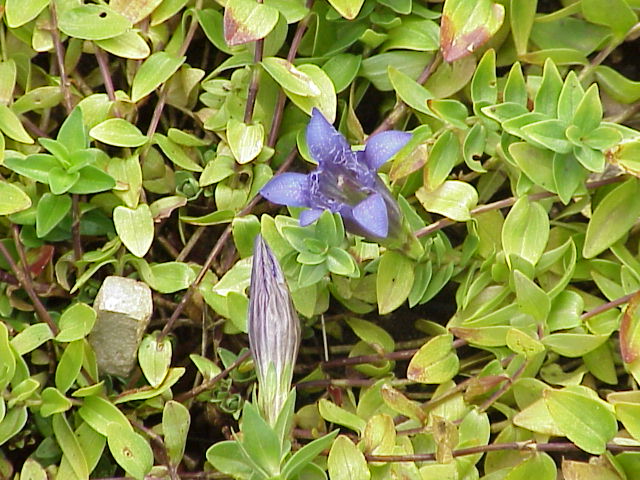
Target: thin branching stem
<point x="21" y="272"/>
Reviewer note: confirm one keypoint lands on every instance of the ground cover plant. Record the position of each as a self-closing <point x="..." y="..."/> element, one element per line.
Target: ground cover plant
<point x="438" y="200"/>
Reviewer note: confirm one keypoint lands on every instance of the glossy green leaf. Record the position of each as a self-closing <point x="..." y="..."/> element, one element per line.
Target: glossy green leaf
<point x="31" y="338"/>
<point x="175" y="426"/>
<point x="615" y="14"/>
<point x="76" y="322"/>
<point x="531" y="299"/>
<point x="69" y="365"/>
<point x="335" y="414"/>
<point x="587" y="422"/>
<point x="540" y="466"/>
<point x="12" y="199"/>
<point x="92" y="22"/>
<point x="154" y="356"/>
<point x="326" y="102"/>
<point x="453" y="199"/>
<point x="69" y="445"/>
<point x="135" y="228"/>
<point x="394" y="281"/>
<point x="246" y="141"/>
<point x="521" y="17"/>
<point x="11" y="126"/>
<point x="176" y="153"/>
<point x="118" y="132"/>
<point x="99" y="413"/>
<point x="616" y="85"/>
<point x="289" y="77"/>
<point x="435" y="362"/>
<point x="346" y="462"/>
<point x="466" y="26"/>
<point x="18" y="12"/>
<point x="410" y="91"/>
<point x="526" y="231"/>
<point x="53" y="401"/>
<point x="51" y="210"/>
<point x="612" y="218"/>
<point x="153" y="72"/>
<point x="573" y="344"/>
<point x="128" y="45"/>
<point x="130" y="450"/>
<point x="12" y="423"/>
<point x="247" y="21"/>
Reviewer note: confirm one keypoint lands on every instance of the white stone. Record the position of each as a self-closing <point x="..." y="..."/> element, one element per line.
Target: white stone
<point x="124" y="308"/>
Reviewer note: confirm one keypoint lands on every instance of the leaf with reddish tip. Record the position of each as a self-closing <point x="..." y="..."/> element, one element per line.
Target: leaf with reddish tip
<point x="629" y="332"/>
<point x="467" y="25"/>
<point x="247" y="21"/>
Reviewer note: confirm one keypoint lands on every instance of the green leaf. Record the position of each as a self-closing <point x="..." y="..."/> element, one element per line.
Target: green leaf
<point x="135" y="228"/>
<point x="245" y="141"/>
<point x="155" y="358"/>
<point x="92" y="180"/>
<point x="51" y="211"/>
<point x="53" y="401"/>
<point x="289" y="77"/>
<point x="18" y="12"/>
<point x="130" y="450"/>
<point x="615" y="14"/>
<point x="175" y="427"/>
<point x="31" y="338"/>
<point x="531" y="299"/>
<point x="260" y="441"/>
<point x="326" y="102"/>
<point x="13" y="423"/>
<point x="69" y="365"/>
<point x="435" y="362"/>
<point x="335" y="414"/>
<point x="12" y="127"/>
<point x="247" y="21"/>
<point x="522" y="343"/>
<point x="371" y="333"/>
<point x="619" y="87"/>
<point x="342" y="69"/>
<point x="341" y="262"/>
<point x="228" y="458"/>
<point x="467" y="25"/>
<point x="587" y="422"/>
<point x="484" y="86"/>
<point x="346" y="462"/>
<point x="154" y="71"/>
<point x="573" y="345"/>
<point x="526" y="231"/>
<point x="453" y="199"/>
<point x="12" y="199"/>
<point x="394" y="281"/>
<point x="546" y="101"/>
<point x="613" y="218"/>
<point x="176" y="153"/>
<point x="410" y="91"/>
<point x="128" y="45"/>
<point x="349" y="9"/>
<point x="92" y="22"/>
<point x="549" y="134"/>
<point x="306" y="454"/>
<point x="521" y="17"/>
<point x="61" y="181"/>
<point x="540" y="466"/>
<point x="7" y="360"/>
<point x="70" y="445"/>
<point x="398" y="402"/>
<point x="588" y="114"/>
<point x="76" y="322"/>
<point x="118" y="132"/>
<point x="99" y="413"/>
<point x="537" y="164"/>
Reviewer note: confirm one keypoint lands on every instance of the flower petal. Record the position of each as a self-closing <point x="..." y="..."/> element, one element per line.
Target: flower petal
<point x="307" y="217"/>
<point x="287" y="189"/>
<point x="371" y="215"/>
<point x="325" y="143"/>
<point x="382" y="146"/>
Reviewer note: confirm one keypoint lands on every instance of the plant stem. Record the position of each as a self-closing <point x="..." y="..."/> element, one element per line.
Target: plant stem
<point x="24" y="277"/>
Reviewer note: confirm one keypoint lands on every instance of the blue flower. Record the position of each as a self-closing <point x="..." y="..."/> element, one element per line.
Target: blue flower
<point x="345" y="182"/>
<point x="274" y="330"/>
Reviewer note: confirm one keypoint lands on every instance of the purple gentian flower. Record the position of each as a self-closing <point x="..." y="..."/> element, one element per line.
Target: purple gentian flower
<point x="274" y="330"/>
<point x="345" y="182"/>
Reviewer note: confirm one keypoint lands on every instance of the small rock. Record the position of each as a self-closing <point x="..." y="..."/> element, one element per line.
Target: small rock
<point x="124" y="309"/>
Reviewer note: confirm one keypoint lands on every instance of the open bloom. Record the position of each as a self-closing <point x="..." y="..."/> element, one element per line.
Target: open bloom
<point x="274" y="330"/>
<point x="345" y="182"/>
